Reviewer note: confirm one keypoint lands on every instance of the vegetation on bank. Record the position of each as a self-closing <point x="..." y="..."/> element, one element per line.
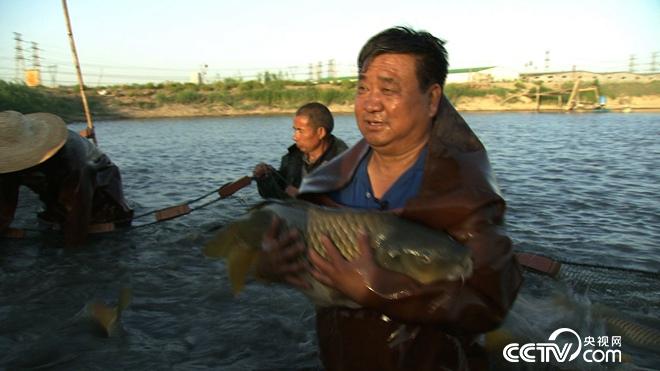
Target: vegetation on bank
<point x="267" y="93"/>
<point x="18" y="97"/>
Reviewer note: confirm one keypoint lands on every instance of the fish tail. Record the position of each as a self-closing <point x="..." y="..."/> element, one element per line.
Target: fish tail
<point x="238" y="255"/>
<point x="239" y="264"/>
<point x="222" y="244"/>
<point x="108" y="317"/>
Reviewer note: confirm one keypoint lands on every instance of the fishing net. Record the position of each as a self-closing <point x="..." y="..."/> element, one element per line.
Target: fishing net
<point x="597" y="302"/>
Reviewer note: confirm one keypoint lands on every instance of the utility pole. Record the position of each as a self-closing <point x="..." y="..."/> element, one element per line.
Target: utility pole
<point x="311" y="72"/>
<point x="20" y="60"/>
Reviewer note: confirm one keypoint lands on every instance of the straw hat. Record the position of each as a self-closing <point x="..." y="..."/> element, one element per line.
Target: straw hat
<point x="28" y="140"/>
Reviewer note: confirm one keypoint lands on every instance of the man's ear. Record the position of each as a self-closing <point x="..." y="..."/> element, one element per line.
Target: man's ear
<point x="321" y="132"/>
<point x="434" y="94"/>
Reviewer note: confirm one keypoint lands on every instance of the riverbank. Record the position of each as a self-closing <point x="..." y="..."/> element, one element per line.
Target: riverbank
<point x="237" y="98"/>
<point x="466" y="104"/>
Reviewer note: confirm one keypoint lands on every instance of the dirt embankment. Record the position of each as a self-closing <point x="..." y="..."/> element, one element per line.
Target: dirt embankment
<point x="249" y="98"/>
<point x="464" y="104"/>
<point x="492" y="103"/>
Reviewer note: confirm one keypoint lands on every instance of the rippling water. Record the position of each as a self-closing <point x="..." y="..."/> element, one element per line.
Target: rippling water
<point x="580" y="188"/>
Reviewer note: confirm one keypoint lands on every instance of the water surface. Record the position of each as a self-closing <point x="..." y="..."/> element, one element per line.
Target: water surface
<point x="579" y="187"/>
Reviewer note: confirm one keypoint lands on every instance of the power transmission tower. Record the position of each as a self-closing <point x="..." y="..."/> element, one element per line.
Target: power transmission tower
<point x="631" y="64"/>
<point x="547" y="60"/>
<point x="36" y="63"/>
<point x="332" y="73"/>
<point x="52" y="71"/>
<point x="319" y="69"/>
<point x="311" y="72"/>
<point x="20" y="60"/>
<point x="653" y="61"/>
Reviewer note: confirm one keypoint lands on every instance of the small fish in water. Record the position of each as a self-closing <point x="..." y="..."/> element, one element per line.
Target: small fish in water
<point x="400" y="245"/>
<point x="106" y="317"/>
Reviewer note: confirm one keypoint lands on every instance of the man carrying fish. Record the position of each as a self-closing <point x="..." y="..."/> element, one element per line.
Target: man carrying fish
<point x="406" y="299"/>
<point x="314" y="145"/>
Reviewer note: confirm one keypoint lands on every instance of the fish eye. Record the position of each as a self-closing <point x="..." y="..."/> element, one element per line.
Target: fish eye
<point x="424" y="258"/>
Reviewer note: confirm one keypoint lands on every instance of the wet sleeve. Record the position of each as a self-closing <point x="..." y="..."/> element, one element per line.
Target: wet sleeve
<point x="273" y="185"/>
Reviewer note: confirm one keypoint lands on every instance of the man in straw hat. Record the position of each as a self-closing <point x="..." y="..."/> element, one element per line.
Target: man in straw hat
<point x="77" y="183"/>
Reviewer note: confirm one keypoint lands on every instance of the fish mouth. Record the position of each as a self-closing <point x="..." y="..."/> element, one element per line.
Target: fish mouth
<point x="460" y="271"/>
<point x="449" y="271"/>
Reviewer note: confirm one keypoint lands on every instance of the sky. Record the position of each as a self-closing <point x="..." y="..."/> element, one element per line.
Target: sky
<point x="157" y="40"/>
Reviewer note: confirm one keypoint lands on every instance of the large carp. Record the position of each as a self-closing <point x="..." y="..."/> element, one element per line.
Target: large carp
<point x="400" y="245"/>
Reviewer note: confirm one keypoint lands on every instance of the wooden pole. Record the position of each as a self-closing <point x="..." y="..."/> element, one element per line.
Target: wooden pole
<point x="90" y="125"/>
<point x="571" y="99"/>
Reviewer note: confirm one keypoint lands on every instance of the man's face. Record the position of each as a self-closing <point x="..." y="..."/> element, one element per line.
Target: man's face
<point x="392" y="113"/>
<point x="307" y="137"/>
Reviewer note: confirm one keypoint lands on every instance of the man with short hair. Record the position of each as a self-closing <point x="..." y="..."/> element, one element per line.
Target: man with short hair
<point x="314" y="145"/>
<point x="419" y="159"/>
<point x="77" y="183"/>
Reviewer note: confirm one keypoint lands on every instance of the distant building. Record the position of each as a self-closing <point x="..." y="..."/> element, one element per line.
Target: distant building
<point x="481" y="75"/>
<point x="464" y="75"/>
<point x="488" y="74"/>
<point x="196" y="78"/>
<point x="561" y="77"/>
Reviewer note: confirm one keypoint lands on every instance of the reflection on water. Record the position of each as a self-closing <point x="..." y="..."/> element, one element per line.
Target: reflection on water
<point x="580" y="188"/>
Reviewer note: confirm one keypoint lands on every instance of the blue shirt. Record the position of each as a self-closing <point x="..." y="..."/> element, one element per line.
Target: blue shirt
<point x="359" y="194"/>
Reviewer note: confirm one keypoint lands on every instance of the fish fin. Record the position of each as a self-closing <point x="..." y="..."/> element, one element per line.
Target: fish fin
<point x="125" y="297"/>
<point x="104" y="316"/>
<point x="497" y="339"/>
<point x="239" y="264"/>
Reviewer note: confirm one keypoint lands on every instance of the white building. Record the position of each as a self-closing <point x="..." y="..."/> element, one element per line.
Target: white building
<point x="481" y="75"/>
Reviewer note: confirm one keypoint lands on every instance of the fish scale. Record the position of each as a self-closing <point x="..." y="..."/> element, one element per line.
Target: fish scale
<point x="342" y="233"/>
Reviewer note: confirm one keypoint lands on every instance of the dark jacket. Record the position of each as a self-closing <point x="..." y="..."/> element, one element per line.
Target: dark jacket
<point x="79" y="186"/>
<point x="432" y="326"/>
<point x="293" y="168"/>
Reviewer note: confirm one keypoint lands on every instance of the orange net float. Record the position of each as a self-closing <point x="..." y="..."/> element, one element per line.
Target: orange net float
<point x="231" y="188"/>
<point x="101" y="228"/>
<point x="172" y="212"/>
<point x="14" y="233"/>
